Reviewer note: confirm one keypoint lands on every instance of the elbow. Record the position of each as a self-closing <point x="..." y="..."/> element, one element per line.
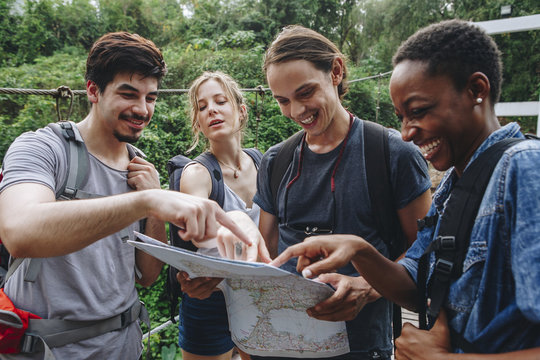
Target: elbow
<point x="145" y="281"/>
<point x="14" y="240"/>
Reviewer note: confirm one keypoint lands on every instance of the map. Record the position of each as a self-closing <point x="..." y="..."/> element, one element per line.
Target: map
<point x="266" y="305"/>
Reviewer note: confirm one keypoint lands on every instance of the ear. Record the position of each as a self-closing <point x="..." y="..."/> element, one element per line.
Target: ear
<point x="243" y="112"/>
<point x="337" y="71"/>
<point x="92" y="91"/>
<point x="478" y="87"/>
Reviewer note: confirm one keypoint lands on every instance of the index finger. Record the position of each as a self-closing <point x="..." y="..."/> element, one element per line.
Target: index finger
<point x="225" y="220"/>
<point x="290" y="252"/>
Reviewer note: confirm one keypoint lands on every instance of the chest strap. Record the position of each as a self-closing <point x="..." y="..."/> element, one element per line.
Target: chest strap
<point x="43" y="334"/>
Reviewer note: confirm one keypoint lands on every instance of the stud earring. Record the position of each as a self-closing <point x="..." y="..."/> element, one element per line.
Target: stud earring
<point x="479" y="100"/>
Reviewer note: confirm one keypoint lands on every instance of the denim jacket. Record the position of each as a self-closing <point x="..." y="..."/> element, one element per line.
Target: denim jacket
<point x="495" y="304"/>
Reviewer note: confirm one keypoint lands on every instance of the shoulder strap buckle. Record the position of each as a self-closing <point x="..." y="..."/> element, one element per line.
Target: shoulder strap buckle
<point x="443" y="269"/>
<point x="445" y="243"/>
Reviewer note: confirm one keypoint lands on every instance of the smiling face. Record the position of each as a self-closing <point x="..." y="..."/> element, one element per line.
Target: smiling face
<point x="216" y="114"/>
<point x="127" y="104"/>
<point x="305" y="94"/>
<point x="437" y="117"/>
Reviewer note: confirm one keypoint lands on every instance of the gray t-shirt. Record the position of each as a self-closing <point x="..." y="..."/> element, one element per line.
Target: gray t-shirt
<point x="94" y="283"/>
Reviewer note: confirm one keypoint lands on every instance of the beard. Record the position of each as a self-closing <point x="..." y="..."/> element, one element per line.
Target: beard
<point x="132" y="139"/>
<point x="136" y="134"/>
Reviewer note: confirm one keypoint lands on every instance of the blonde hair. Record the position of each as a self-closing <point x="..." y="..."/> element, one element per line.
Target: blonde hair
<point x="232" y="92"/>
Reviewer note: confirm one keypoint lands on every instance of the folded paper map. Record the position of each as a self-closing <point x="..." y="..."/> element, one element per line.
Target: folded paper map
<point x="266" y="305"/>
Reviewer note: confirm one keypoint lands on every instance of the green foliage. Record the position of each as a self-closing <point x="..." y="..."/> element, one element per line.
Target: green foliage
<point x="44" y="44"/>
<point x="163" y="344"/>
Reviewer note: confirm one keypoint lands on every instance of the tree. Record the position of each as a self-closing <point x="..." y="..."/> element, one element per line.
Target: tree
<point x="37" y="33"/>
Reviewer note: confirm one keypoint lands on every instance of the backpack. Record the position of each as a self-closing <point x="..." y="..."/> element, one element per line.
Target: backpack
<point x="175" y="166"/>
<point x="75" y="180"/>
<point x="380" y="190"/>
<point x="453" y="239"/>
<point x="46" y="333"/>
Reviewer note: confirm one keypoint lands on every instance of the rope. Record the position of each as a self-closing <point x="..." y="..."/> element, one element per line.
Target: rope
<point x="58" y="92"/>
<point x="258" y="113"/>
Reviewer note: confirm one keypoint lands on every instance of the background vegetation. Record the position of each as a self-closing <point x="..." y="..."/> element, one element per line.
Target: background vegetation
<point x="44" y="43"/>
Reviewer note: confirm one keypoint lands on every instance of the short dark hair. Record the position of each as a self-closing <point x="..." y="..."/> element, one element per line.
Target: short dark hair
<point x="123" y="52"/>
<point x="458" y="49"/>
<point x="296" y="42"/>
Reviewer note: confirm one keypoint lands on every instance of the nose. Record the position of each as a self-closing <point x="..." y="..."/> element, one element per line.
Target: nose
<point x="408" y="132"/>
<point x="211" y="107"/>
<point x="140" y="107"/>
<point x="297" y="109"/>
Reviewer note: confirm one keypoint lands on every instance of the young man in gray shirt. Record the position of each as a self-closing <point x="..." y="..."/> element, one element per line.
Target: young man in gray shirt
<point x="87" y="272"/>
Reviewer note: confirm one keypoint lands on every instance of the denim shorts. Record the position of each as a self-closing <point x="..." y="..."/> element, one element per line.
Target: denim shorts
<point x="204" y="325"/>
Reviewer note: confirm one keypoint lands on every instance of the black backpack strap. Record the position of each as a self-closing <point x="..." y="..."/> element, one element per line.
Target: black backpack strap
<point x="455" y="228"/>
<point x="380" y="188"/>
<point x="255" y="154"/>
<point x="175" y="166"/>
<point x="281" y="162"/>
<point x="382" y="199"/>
<point x="209" y="161"/>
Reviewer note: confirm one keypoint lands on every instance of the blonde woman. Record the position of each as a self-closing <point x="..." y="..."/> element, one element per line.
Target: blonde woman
<point x="219" y="113"/>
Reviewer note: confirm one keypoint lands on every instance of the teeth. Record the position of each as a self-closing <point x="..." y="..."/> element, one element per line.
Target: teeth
<point x="427" y="148"/>
<point x="308" y="120"/>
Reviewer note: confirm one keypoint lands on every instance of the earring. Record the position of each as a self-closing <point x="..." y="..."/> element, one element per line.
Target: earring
<point x="479" y="100"/>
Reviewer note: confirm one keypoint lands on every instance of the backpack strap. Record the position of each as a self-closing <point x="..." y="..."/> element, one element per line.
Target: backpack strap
<point x="455" y="228"/>
<point x="256" y="156"/>
<point x="51" y="333"/>
<point x="282" y="161"/>
<point x="209" y="161"/>
<point x="380" y="188"/>
<point x="78" y="161"/>
<point x="381" y="195"/>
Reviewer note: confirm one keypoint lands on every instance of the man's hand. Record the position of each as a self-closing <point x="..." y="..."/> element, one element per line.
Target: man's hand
<point x="197" y="218"/>
<point x="422" y="344"/>
<point x="352" y="294"/>
<point x="232" y="248"/>
<point x="142" y="175"/>
<point x="321" y="254"/>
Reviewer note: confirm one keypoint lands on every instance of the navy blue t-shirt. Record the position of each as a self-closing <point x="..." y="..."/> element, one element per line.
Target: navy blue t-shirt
<point x="309" y="203"/>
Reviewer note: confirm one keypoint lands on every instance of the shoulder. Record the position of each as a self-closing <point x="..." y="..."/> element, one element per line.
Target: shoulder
<point x="521" y="160"/>
<point x="37" y="156"/>
<point x="40" y="144"/>
<point x="196" y="180"/>
<point x="397" y="145"/>
<point x="270" y="155"/>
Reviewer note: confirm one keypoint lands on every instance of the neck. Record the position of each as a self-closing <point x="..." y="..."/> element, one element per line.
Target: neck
<point x="227" y="152"/>
<point x="333" y="135"/>
<point x="489" y="124"/>
<point x="101" y="143"/>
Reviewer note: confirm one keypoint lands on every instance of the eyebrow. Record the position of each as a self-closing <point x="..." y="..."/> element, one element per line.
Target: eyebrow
<point x="127" y="87"/>
<point x="299" y="89"/>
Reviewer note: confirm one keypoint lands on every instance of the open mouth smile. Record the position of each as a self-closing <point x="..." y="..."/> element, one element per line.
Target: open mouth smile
<point x="308" y="120"/>
<point x="429" y="149"/>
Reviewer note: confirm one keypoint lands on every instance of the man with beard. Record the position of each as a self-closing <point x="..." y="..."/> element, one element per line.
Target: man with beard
<point x="87" y="273"/>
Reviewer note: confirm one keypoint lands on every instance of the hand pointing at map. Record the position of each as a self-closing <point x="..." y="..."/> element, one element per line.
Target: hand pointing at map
<point x="229" y="244"/>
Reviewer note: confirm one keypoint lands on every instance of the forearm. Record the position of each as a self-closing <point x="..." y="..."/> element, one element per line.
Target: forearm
<point x="51" y="228"/>
<point x="150" y="266"/>
<point x="268" y="227"/>
<point x="390" y="279"/>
